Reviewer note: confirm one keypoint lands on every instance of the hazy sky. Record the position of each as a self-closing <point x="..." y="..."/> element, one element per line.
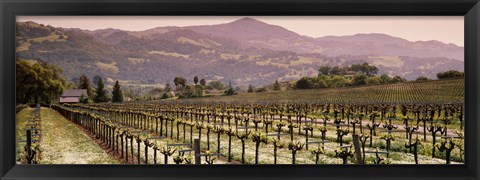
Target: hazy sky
<point x="448" y="29"/>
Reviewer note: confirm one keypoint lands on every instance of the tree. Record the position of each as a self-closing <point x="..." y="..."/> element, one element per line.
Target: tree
<point x="276" y="86"/>
<point x="190" y="91"/>
<point x="175" y="81"/>
<point x="203" y="82"/>
<point x="250" y="88"/>
<point x="84" y="99"/>
<point x="95" y="79"/>
<point x="167" y="87"/>
<point x="364" y="68"/>
<point x="38" y="83"/>
<point x="166" y="95"/>
<point x="304" y="83"/>
<point x="216" y="85"/>
<point x="398" y="79"/>
<point x="359" y="79"/>
<point x="71" y="85"/>
<point x="117" y="94"/>
<point x="372" y="70"/>
<point x="422" y="78"/>
<point x="198" y="90"/>
<point x="230" y="90"/>
<point x="195" y="80"/>
<point x="337" y="71"/>
<point x="320" y="83"/>
<point x="338" y="81"/>
<point x="325" y="70"/>
<point x="180" y="82"/>
<point x="450" y="74"/>
<point x="85" y="84"/>
<point x="100" y="92"/>
<point x="373" y="80"/>
<point x="385" y="78"/>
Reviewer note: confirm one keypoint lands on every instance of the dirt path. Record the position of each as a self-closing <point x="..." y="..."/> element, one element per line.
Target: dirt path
<point x="64" y="143"/>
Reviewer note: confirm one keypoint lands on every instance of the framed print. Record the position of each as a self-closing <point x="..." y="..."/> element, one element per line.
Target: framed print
<point x="239" y="89"/>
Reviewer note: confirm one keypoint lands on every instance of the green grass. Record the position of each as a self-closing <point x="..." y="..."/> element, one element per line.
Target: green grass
<point x="64" y="143"/>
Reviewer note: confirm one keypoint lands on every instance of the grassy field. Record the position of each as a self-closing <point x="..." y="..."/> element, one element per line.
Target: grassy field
<point x="63" y="142"/>
<point x="21" y="125"/>
<point x="438" y="91"/>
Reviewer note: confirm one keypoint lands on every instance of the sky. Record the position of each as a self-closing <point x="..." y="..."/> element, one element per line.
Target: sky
<point x="447" y="29"/>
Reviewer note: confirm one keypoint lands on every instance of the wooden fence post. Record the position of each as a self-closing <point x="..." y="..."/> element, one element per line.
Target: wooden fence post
<point x="358" y="153"/>
<point x="196" y="147"/>
<point x="29" y="146"/>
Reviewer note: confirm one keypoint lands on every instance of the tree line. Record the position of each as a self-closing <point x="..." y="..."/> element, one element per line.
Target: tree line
<point x="197" y="89"/>
<point x="356" y="75"/>
<point x="100" y="94"/>
<point x="38" y="82"/>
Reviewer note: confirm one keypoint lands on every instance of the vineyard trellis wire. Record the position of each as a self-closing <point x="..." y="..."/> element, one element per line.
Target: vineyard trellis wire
<point x="142" y="121"/>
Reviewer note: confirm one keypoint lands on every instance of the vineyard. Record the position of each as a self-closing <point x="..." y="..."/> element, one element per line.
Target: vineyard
<point x="438" y="92"/>
<point x="406" y="123"/>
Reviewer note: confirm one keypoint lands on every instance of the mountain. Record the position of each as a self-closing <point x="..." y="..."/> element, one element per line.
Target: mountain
<point x="250" y="32"/>
<point x="244" y="29"/>
<point x="254" y="33"/>
<point x="382" y="44"/>
<point x="243" y="52"/>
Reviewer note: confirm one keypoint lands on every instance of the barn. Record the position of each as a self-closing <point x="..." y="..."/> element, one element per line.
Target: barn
<point x="72" y="95"/>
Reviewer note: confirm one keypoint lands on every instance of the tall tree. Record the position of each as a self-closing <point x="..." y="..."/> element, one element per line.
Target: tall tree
<point x="117" y="94"/>
<point x="195" y="80"/>
<point x="203" y="82"/>
<point x="96" y="78"/>
<point x="250" y="88"/>
<point x="100" y="92"/>
<point x="180" y="81"/>
<point x="276" y="86"/>
<point x="176" y="82"/>
<point x="85" y="84"/>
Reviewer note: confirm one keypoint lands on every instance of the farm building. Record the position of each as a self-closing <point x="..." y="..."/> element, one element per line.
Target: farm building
<point x="72" y="95"/>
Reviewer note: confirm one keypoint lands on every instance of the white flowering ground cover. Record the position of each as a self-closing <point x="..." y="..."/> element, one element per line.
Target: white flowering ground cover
<point x="64" y="143"/>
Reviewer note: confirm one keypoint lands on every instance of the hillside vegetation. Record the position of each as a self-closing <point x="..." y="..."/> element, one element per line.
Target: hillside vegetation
<point x="244" y="52"/>
<point x="438" y="91"/>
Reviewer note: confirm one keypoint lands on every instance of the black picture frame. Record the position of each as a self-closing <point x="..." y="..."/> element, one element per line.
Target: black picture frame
<point x="470" y="9"/>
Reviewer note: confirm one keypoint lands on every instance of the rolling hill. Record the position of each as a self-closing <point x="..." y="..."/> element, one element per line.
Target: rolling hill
<point x="246" y="51"/>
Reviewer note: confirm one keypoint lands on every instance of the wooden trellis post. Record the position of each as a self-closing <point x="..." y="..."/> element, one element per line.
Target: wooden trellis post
<point x="196" y="147"/>
<point x="358" y="153"/>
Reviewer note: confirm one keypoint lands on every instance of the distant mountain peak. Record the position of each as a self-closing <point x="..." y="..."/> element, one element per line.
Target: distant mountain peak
<point x="247" y="20"/>
<point x="244" y="28"/>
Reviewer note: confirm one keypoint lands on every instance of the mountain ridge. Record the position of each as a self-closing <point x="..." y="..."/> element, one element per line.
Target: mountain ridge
<point x="160" y="54"/>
